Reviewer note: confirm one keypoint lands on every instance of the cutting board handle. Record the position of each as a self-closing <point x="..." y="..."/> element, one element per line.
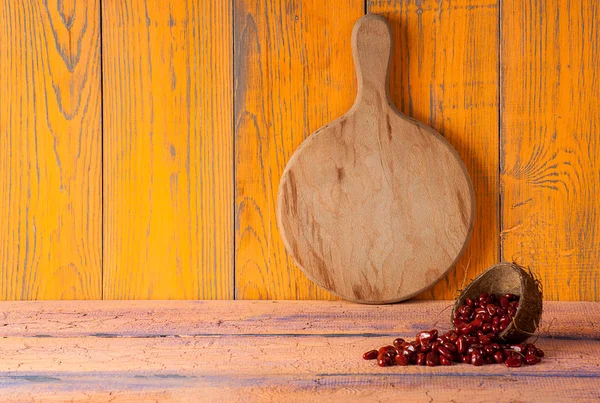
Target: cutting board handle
<point x="372" y="50"/>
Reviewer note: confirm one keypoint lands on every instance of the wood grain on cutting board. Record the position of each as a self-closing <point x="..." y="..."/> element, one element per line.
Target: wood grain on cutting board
<point x="50" y="150"/>
<point x="168" y="147"/>
<point x="375" y="206"/>
<point x="551" y="144"/>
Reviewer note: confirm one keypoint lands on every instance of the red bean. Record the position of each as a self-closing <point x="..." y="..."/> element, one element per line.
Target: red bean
<point x="447" y="361"/>
<point x="411" y="347"/>
<point x="421" y="359"/>
<point x="432" y="359"/>
<point x="473" y="340"/>
<point x="384" y="361"/>
<point x="461" y="344"/>
<point x="532" y="359"/>
<point x="398" y="342"/>
<point x="391" y="353"/>
<point x="401" y="360"/>
<point x="513" y="362"/>
<point x="473" y="348"/>
<point x="485" y="339"/>
<point x="450" y="346"/>
<point x="477" y="323"/>
<point x="424" y="337"/>
<point x="477" y="359"/>
<point x="489" y="350"/>
<point x="370" y="355"/>
<point x="385" y="348"/>
<point x="484" y="317"/>
<point x="465" y="310"/>
<point x="445" y="352"/>
<point x="410" y="356"/>
<point x="465" y="329"/>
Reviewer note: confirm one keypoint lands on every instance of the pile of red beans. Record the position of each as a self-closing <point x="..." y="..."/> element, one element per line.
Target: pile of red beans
<point x="474" y="339"/>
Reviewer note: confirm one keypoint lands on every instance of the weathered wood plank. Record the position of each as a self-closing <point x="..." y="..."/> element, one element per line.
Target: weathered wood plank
<point x="293" y="74"/>
<point x="190" y="318"/>
<point x="150" y="387"/>
<point x="50" y="150"/>
<point x="279" y="366"/>
<point x="268" y="350"/>
<point x="253" y="355"/>
<point x="550" y="148"/>
<point x="168" y="149"/>
<point x="445" y="74"/>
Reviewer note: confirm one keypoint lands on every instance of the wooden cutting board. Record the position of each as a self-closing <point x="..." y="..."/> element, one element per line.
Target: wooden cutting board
<point x="375" y="206"/>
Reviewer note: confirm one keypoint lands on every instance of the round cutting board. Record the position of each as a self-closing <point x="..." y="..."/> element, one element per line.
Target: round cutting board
<point x="375" y="206"/>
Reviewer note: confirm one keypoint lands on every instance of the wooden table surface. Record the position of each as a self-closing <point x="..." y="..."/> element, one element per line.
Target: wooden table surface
<point x="270" y="350"/>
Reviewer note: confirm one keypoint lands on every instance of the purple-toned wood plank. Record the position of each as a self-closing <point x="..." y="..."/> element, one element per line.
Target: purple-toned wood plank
<point x="181" y="318"/>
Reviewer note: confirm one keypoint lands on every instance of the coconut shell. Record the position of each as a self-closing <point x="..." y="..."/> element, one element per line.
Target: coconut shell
<point x="510" y="278"/>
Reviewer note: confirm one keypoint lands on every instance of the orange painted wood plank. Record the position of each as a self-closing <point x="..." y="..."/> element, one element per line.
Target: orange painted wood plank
<point x="550" y="145"/>
<point x="50" y="152"/>
<point x="168" y="150"/>
<point x="280" y="361"/>
<point x="197" y="318"/>
<point x="293" y="74"/>
<point x="445" y="74"/>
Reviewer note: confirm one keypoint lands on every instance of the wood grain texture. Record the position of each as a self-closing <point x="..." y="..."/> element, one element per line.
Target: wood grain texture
<point x="37" y="319"/>
<point x="50" y="142"/>
<point x="293" y="73"/>
<point x="550" y="144"/>
<point x="108" y="350"/>
<point x="374" y="206"/>
<point x="445" y="74"/>
<point x="168" y="149"/>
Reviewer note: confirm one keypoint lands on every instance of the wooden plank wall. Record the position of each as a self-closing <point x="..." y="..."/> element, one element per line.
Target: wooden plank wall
<point x="50" y="150"/>
<point x="551" y="143"/>
<point x="142" y="142"/>
<point x="168" y="144"/>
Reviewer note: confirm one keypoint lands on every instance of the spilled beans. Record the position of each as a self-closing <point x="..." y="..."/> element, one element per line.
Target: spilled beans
<point x="474" y="340"/>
